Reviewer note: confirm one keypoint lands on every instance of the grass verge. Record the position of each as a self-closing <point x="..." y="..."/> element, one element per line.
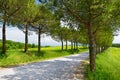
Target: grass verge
<point x="107" y="66"/>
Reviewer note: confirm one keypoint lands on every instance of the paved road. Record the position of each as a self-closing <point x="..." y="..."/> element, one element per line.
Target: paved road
<point x="55" y="69"/>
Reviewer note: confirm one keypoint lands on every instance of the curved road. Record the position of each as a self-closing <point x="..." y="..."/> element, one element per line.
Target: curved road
<point x="54" y="69"/>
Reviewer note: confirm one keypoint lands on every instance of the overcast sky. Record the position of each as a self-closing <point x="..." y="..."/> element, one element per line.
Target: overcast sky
<point x="13" y="33"/>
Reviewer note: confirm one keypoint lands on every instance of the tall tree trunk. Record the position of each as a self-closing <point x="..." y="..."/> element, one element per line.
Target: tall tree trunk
<point x="71" y="45"/>
<point x="66" y="45"/>
<point x="99" y="49"/>
<point x="74" y="46"/>
<point x="4" y="37"/>
<point x="92" y="52"/>
<point x="39" y="41"/>
<point x="26" y="38"/>
<point x="96" y="49"/>
<point x="61" y="44"/>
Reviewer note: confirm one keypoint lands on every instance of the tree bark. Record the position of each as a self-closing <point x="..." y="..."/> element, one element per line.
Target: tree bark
<point x="66" y="45"/>
<point x="26" y="38"/>
<point x="92" y="52"/>
<point x="61" y="44"/>
<point x="74" y="46"/>
<point x="71" y="45"/>
<point x="39" y="41"/>
<point x="4" y="37"/>
<point x="99" y="49"/>
<point x="102" y="49"/>
<point x="96" y="49"/>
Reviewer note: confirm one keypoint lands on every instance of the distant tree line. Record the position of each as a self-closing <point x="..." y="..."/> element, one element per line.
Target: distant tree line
<point x="16" y="45"/>
<point x="116" y="45"/>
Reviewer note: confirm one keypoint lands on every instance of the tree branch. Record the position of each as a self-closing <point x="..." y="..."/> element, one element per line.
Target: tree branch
<point x="97" y="15"/>
<point x="73" y="13"/>
<point x="96" y="30"/>
<point x="14" y="12"/>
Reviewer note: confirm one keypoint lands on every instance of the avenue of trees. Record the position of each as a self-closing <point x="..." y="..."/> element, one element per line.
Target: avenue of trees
<point x="91" y="22"/>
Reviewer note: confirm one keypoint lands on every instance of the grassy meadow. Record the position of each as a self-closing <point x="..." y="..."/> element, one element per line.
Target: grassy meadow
<point x="107" y="66"/>
<point x="17" y="56"/>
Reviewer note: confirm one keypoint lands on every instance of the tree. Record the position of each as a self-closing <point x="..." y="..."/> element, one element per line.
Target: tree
<point x="86" y="12"/>
<point x="115" y="19"/>
<point x="89" y="14"/>
<point x="58" y="35"/>
<point x="66" y="35"/>
<point x="42" y="23"/>
<point x="8" y="8"/>
<point x="25" y="18"/>
<point x="103" y="39"/>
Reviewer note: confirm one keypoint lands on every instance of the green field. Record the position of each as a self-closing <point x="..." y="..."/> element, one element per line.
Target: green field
<point x="15" y="57"/>
<point x="107" y="66"/>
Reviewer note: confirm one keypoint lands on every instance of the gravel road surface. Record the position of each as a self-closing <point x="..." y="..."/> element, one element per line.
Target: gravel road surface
<point x="54" y="69"/>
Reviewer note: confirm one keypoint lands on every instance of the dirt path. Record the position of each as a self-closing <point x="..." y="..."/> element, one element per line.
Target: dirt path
<point x="54" y="69"/>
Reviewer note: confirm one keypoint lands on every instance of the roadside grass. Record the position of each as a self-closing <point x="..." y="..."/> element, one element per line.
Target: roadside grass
<point x="107" y="66"/>
<point x="18" y="57"/>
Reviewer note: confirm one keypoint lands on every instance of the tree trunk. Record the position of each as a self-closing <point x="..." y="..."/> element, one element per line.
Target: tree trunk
<point x="102" y="49"/>
<point x="61" y="44"/>
<point x="4" y="37"/>
<point x="74" y="46"/>
<point x="99" y="49"/>
<point x="92" y="52"/>
<point x="71" y="45"/>
<point x="39" y="41"/>
<point x="26" y="38"/>
<point x="96" y="49"/>
<point x="66" y="45"/>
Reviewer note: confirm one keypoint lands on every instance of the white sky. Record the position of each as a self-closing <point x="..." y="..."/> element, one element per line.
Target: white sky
<point x="13" y="33"/>
<point x="116" y="39"/>
<point x="17" y="35"/>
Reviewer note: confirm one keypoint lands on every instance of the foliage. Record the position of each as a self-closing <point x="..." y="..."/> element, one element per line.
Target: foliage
<point x="16" y="45"/>
<point x="8" y="8"/>
<point x="115" y="45"/>
<point x="92" y="22"/>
